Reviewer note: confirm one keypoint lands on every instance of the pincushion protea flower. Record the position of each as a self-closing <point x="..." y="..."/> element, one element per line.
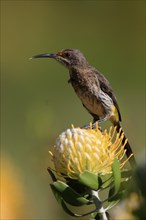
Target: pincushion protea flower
<point x="78" y="150"/>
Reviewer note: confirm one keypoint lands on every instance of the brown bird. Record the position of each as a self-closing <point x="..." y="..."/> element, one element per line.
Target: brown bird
<point x="92" y="88"/>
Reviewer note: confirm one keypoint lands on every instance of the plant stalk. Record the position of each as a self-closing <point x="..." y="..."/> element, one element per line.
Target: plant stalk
<point x="98" y="204"/>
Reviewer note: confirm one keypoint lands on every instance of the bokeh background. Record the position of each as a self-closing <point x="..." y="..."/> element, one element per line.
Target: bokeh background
<point x="37" y="103"/>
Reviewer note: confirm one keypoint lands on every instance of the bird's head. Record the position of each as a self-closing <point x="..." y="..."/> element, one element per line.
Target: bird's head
<point x="68" y="57"/>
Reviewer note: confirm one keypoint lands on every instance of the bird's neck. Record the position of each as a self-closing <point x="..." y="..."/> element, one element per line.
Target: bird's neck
<point x="79" y="75"/>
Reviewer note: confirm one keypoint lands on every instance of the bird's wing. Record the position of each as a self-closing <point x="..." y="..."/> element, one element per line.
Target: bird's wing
<point x="105" y="87"/>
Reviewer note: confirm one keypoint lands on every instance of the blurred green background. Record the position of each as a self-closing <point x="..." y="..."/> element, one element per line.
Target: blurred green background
<point x="37" y="103"/>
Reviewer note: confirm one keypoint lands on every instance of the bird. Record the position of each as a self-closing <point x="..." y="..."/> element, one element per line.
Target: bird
<point x="93" y="89"/>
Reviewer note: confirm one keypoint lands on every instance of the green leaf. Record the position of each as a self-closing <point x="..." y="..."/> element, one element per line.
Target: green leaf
<point x="67" y="210"/>
<point x="121" y="193"/>
<point x="116" y="175"/>
<point x="90" y="180"/>
<point x="68" y="194"/>
<point x="77" y="186"/>
<point x="125" y="184"/>
<point x="62" y="203"/>
<point x="105" y="177"/>
<point x="51" y="174"/>
<point x="56" y="193"/>
<point x="126" y="174"/>
<point x="117" y="197"/>
<point x="117" y="180"/>
<point x="112" y="204"/>
<point x="107" y="180"/>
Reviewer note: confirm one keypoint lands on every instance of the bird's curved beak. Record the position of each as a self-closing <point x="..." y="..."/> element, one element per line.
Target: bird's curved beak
<point x="57" y="56"/>
<point x="45" y="55"/>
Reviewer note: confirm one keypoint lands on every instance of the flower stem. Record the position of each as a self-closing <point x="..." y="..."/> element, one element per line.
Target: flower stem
<point x="99" y="208"/>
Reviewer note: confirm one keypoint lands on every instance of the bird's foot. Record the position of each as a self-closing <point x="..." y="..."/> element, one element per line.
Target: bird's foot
<point x="92" y="126"/>
<point x="86" y="127"/>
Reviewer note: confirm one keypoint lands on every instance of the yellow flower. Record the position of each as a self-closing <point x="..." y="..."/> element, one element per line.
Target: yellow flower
<point x="78" y="150"/>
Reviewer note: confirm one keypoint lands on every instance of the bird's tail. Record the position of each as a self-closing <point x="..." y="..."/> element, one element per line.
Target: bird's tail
<point x="128" y="148"/>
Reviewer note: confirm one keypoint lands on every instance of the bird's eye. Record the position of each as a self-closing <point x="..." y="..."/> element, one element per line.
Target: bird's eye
<point x="67" y="55"/>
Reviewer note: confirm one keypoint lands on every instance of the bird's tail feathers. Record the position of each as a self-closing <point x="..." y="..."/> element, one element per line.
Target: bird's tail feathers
<point x="128" y="148"/>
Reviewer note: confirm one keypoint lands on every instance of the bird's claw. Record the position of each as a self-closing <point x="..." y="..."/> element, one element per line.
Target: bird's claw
<point x="91" y="126"/>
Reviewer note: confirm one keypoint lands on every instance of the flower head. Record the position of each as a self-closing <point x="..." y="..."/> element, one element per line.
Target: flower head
<point x="78" y="150"/>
